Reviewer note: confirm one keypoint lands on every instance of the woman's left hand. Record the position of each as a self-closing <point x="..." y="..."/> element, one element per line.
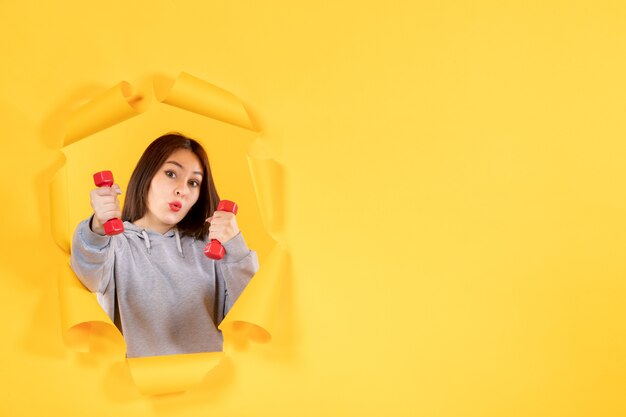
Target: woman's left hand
<point x="223" y="226"/>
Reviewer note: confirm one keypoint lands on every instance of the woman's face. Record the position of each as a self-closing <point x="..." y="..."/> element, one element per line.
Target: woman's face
<point x="174" y="189"/>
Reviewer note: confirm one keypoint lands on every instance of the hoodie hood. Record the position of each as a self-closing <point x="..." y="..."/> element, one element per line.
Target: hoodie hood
<point x="147" y="236"/>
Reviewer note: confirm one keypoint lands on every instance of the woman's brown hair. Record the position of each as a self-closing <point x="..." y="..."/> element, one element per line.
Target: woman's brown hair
<point x="153" y="158"/>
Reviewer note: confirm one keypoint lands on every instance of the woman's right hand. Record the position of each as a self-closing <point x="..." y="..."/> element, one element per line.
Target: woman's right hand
<point x="105" y="206"/>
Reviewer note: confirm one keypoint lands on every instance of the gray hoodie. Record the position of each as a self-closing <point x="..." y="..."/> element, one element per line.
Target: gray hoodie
<point x="170" y="296"/>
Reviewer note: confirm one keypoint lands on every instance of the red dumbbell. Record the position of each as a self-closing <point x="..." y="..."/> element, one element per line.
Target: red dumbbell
<point x="214" y="248"/>
<point x="113" y="226"/>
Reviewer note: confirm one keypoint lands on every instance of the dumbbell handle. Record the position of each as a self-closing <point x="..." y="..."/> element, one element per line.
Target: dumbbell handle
<point x="112" y="226"/>
<point x="214" y="248"/>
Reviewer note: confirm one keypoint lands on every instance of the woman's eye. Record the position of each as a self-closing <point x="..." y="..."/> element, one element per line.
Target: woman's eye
<point x="194" y="183"/>
<point x="170" y="174"/>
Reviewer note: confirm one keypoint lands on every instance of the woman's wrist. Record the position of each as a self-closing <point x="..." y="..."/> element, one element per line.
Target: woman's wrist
<point x="96" y="226"/>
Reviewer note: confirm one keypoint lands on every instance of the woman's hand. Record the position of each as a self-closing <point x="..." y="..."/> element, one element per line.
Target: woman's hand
<point x="105" y="206"/>
<point x="223" y="226"/>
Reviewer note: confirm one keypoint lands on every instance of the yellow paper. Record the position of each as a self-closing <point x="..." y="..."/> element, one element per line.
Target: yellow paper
<point x="59" y="210"/>
<point x="267" y="177"/>
<point x="82" y="317"/>
<point x="169" y="374"/>
<point x="455" y="194"/>
<point x="198" y="96"/>
<point x="113" y="106"/>
<point x="254" y="314"/>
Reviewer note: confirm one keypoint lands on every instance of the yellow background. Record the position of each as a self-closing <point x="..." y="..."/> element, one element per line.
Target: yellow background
<point x="454" y="201"/>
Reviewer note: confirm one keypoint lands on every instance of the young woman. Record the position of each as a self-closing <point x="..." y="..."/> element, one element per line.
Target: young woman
<point x="154" y="280"/>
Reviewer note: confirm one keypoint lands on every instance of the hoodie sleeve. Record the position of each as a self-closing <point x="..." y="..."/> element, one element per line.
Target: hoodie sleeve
<point x="92" y="257"/>
<point x="234" y="272"/>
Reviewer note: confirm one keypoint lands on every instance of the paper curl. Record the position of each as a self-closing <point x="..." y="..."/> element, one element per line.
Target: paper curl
<point x="254" y="314"/>
<point x="198" y="96"/>
<point x="156" y="375"/>
<point x="59" y="210"/>
<point x="112" y="107"/>
<point x="267" y="178"/>
<point x="86" y="327"/>
<point x="83" y="321"/>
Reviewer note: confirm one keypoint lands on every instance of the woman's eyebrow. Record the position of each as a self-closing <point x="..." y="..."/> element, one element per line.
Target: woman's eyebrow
<point x="181" y="167"/>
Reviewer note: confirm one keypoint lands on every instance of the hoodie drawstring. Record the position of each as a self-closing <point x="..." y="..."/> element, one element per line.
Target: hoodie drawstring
<point x="180" y="247"/>
<point x="146" y="241"/>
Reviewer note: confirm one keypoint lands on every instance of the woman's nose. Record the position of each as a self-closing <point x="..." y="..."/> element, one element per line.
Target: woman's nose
<point x="181" y="189"/>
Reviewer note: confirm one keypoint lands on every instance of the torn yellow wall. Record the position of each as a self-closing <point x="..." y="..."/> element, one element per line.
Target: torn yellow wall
<point x="452" y="214"/>
<point x="99" y="122"/>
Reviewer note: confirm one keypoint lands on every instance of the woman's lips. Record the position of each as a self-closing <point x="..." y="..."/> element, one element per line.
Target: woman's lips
<point x="175" y="206"/>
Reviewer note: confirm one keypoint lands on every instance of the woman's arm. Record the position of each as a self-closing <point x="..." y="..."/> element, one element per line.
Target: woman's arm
<point x="233" y="273"/>
<point x="92" y="257"/>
